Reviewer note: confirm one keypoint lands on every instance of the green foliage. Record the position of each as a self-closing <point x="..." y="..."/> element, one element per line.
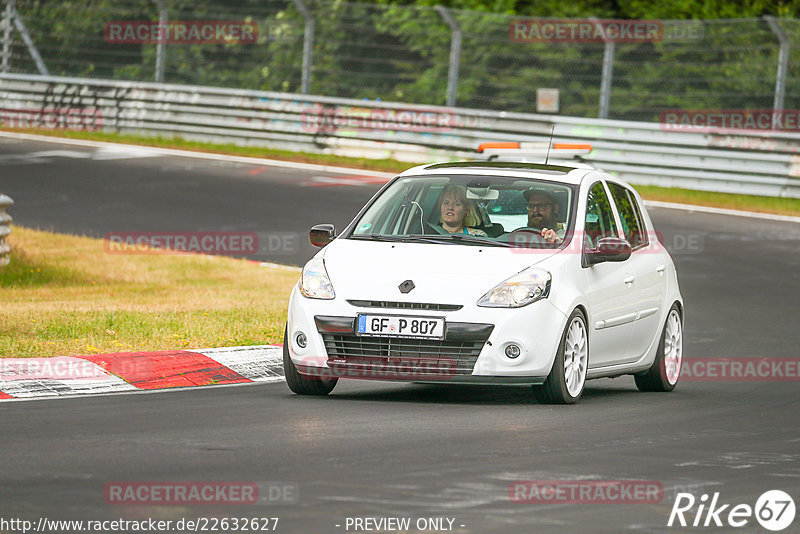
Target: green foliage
<point x="707" y="9"/>
<point x="400" y="51"/>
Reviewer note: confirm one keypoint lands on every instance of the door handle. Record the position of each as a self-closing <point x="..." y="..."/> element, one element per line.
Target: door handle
<point x="629" y="279"/>
<point x="660" y="269"/>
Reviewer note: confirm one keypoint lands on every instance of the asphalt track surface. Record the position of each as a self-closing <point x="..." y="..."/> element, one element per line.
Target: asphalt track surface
<point x="405" y="450"/>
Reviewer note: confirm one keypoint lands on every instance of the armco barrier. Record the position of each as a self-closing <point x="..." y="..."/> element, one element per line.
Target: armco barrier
<point x="5" y="229"/>
<point x="761" y="163"/>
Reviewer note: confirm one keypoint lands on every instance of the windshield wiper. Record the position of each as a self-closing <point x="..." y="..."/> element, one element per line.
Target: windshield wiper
<point x="471" y="239"/>
<point x="427" y="239"/>
<point x="375" y="237"/>
<point x="452" y="239"/>
<point x="396" y="238"/>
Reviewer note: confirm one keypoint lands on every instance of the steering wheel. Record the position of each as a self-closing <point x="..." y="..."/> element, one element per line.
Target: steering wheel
<point x="528" y="237"/>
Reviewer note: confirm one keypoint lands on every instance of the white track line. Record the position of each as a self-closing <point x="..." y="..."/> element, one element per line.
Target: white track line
<point x="280" y="266"/>
<point x="200" y="155"/>
<point x="721" y="211"/>
<point x="137" y="391"/>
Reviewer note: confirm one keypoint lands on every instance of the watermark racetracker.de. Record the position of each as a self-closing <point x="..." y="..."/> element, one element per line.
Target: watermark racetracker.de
<point x="752" y="369"/>
<point x="180" y="32"/>
<point x="200" y="493"/>
<point x="331" y="119"/>
<point x="70" y="368"/>
<point x="586" y="491"/>
<point x="53" y="118"/>
<point x="240" y="244"/>
<point x="527" y="241"/>
<point x="542" y="30"/>
<point x="710" y="120"/>
<point x="400" y="367"/>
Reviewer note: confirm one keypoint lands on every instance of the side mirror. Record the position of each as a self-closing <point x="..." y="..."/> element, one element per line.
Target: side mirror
<point x="321" y="234"/>
<point x="609" y="249"/>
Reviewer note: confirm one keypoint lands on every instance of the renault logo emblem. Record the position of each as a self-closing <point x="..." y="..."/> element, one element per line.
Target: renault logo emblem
<point x="406" y="286"/>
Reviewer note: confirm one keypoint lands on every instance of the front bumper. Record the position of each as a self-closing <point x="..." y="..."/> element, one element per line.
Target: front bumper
<point x="473" y="350"/>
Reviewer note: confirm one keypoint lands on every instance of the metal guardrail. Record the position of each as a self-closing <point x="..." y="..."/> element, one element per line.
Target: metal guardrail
<point x="760" y="163"/>
<point x="5" y="229"/>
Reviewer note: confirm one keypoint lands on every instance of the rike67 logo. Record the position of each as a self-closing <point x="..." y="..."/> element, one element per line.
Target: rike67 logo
<point x="774" y="510"/>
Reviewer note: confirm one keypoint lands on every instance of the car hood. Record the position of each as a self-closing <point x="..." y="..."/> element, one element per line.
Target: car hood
<point x="442" y="273"/>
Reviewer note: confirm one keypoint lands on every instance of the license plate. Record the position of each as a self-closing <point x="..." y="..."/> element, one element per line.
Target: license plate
<point x="400" y="326"/>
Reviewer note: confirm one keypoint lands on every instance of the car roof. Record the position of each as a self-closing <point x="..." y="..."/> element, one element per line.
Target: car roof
<point x="513" y="169"/>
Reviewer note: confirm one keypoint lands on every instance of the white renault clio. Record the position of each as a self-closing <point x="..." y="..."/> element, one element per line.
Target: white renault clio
<point x="489" y="273"/>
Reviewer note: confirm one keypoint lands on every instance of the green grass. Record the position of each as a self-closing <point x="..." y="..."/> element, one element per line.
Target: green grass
<point x="64" y="295"/>
<point x="777" y="205"/>
<point x="781" y="206"/>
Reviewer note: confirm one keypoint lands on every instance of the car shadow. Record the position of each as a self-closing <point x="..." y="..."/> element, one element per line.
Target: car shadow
<point x="466" y="394"/>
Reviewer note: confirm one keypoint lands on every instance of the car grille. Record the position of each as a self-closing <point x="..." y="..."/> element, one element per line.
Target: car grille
<point x="405" y="305"/>
<point x="401" y="358"/>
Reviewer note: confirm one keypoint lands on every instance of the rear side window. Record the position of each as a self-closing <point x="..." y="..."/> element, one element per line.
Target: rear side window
<point x="599" y="216"/>
<point x="630" y="215"/>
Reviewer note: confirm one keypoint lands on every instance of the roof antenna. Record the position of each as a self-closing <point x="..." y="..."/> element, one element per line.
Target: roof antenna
<point x="549" y="144"/>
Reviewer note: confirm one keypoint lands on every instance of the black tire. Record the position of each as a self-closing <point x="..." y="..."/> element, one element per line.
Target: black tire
<point x="657" y="378"/>
<point x="303" y="384"/>
<point x="555" y="390"/>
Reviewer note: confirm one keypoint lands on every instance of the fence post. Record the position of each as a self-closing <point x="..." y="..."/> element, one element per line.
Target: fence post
<point x="8" y="13"/>
<point x="26" y="38"/>
<point x="607" y="76"/>
<point x="161" y="47"/>
<point x="5" y="228"/>
<point x="605" y="84"/>
<point x="783" y="67"/>
<point x="455" y="54"/>
<point x="308" y="46"/>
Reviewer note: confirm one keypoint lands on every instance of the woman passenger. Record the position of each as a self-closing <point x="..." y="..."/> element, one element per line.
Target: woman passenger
<point x="457" y="214"/>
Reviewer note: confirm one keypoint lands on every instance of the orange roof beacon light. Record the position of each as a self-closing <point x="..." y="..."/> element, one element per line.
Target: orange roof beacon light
<point x="498" y="144"/>
<point x="528" y="151"/>
<point x="572" y="146"/>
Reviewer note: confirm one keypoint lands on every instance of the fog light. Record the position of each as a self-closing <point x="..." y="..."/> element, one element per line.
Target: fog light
<point x="513" y="351"/>
<point x="301" y="340"/>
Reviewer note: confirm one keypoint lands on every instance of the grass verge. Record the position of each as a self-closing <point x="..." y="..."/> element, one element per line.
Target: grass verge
<point x="776" y="205"/>
<point x="63" y="295"/>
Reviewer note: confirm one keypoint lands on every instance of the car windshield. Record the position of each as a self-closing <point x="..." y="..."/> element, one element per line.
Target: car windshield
<point x="470" y="210"/>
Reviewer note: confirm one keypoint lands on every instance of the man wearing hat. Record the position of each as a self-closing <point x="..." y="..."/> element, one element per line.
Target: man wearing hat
<point x="543" y="214"/>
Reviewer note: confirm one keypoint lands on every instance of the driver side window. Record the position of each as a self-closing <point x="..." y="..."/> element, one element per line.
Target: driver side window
<point x="599" y="216"/>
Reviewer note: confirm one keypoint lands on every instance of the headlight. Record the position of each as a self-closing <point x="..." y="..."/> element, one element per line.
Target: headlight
<point x="314" y="282"/>
<point x="520" y="290"/>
